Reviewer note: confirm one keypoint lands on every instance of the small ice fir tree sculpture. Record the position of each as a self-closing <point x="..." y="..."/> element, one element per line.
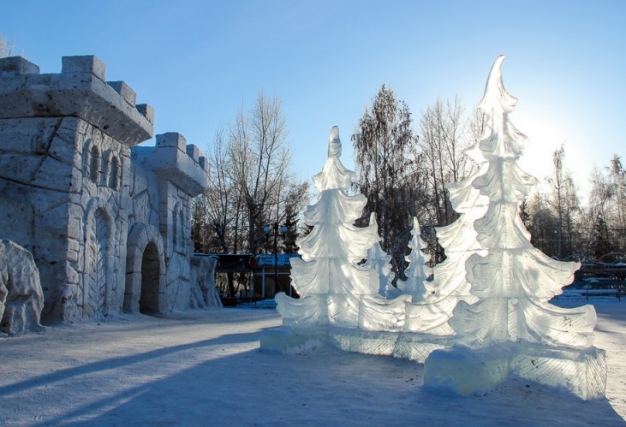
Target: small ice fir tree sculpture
<point x="328" y="278"/>
<point x="417" y="273"/>
<point x="431" y="313"/>
<point x="512" y="281"/>
<point x="379" y="263"/>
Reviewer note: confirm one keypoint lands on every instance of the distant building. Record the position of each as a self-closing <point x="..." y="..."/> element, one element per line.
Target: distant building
<point x="261" y="267"/>
<point x="269" y="280"/>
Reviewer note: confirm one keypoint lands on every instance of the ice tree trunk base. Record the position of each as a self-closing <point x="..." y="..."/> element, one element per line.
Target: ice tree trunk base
<point x="465" y="371"/>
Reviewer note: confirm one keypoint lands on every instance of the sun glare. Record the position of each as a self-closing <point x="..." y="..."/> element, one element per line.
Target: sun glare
<point x="544" y="138"/>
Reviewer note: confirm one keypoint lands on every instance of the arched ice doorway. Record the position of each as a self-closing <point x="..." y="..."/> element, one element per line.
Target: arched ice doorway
<point x="150" y="276"/>
<point x="145" y="271"/>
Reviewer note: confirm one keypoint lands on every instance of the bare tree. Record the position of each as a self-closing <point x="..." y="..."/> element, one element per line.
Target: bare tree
<point x="250" y="186"/>
<point x="565" y="203"/>
<point x="218" y="209"/>
<point x="617" y="176"/>
<point x="221" y="195"/>
<point x="444" y="137"/>
<point x="216" y="212"/>
<point x="541" y="223"/>
<point x="557" y="182"/>
<point x="607" y="206"/>
<point x="259" y="161"/>
<point x="6" y="47"/>
<point x="600" y="201"/>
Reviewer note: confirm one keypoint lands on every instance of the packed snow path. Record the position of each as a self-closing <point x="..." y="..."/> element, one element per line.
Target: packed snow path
<point x="204" y="367"/>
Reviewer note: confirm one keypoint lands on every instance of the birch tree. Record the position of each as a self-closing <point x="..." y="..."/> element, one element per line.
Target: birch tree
<point x="445" y="135"/>
<point x="386" y="166"/>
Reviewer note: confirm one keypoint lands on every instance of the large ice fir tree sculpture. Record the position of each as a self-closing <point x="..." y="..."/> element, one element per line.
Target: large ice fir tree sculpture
<point x="328" y="278"/>
<point x="508" y="325"/>
<point x="513" y="281"/>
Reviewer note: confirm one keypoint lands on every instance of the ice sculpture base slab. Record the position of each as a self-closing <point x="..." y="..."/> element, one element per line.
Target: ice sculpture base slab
<point x="417" y="347"/>
<point x="409" y="346"/>
<point x="381" y="343"/>
<point x="291" y="341"/>
<point x="465" y="371"/>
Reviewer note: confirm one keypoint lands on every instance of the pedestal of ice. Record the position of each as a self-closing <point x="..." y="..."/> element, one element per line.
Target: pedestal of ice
<point x="292" y="341"/>
<point x="465" y="371"/>
<point x="410" y="346"/>
<point x="401" y="345"/>
<point x="379" y="343"/>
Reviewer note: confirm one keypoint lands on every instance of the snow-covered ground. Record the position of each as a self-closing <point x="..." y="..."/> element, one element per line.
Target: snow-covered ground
<point x="204" y="367"/>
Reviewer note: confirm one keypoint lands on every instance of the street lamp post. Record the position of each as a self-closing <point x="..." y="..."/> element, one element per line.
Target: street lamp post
<point x="276" y="228"/>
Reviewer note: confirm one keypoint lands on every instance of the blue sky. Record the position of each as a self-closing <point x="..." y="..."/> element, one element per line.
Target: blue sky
<point x="198" y="61"/>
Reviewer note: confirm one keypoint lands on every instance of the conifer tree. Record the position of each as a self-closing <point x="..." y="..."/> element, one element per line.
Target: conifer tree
<point x="601" y="243"/>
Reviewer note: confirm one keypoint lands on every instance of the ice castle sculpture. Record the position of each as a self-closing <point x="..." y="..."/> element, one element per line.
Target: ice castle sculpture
<point x="507" y="326"/>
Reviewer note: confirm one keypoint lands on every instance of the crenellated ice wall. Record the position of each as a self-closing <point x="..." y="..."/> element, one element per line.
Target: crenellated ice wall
<point x="106" y="221"/>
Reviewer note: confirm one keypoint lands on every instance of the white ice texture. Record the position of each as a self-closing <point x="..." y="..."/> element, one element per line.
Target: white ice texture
<point x="379" y="263"/>
<point x="335" y="288"/>
<point x="466" y="371"/>
<point x="417" y="273"/>
<point x="499" y="285"/>
<point x="489" y="298"/>
<point x="432" y="309"/>
<point x="493" y="285"/>
<point x="509" y="281"/>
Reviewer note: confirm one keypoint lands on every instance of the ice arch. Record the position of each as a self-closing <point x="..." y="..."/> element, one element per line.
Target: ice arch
<point x="145" y="271"/>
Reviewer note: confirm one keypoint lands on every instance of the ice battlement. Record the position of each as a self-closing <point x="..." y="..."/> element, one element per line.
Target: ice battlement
<point x="80" y="90"/>
<point x="172" y="159"/>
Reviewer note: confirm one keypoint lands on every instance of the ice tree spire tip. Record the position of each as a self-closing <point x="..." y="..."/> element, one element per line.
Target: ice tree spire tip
<point x="495" y="91"/>
<point x="334" y="143"/>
